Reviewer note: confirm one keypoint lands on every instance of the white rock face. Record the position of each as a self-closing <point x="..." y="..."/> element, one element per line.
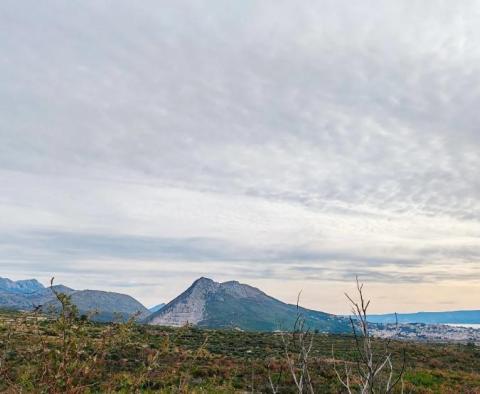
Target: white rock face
<point x="189" y="307"/>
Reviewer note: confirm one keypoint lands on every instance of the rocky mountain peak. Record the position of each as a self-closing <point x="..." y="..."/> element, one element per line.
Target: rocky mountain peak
<point x="203" y="286"/>
<point x="203" y="282"/>
<point x="21" y="286"/>
<point x="203" y="279"/>
<point x="231" y="304"/>
<point x="240" y="290"/>
<point x="188" y="307"/>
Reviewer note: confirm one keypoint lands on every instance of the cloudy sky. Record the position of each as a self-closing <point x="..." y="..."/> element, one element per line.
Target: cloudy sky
<point x="289" y="145"/>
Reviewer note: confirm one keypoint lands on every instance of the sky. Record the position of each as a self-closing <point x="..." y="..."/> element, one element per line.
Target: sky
<point x="288" y="145"/>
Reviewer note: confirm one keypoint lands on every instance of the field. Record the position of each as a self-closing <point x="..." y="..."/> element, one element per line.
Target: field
<point x="39" y="354"/>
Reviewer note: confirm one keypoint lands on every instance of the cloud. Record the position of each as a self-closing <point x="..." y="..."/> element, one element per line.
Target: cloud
<point x="251" y="136"/>
<point x="88" y="253"/>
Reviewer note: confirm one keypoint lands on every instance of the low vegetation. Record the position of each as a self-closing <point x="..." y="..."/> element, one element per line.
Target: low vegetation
<point x="43" y="355"/>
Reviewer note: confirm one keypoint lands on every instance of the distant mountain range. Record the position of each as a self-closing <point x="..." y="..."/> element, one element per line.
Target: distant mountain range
<point x="238" y="306"/>
<point x="27" y="294"/>
<point x="104" y="306"/>
<point x="20" y="286"/>
<point x="100" y="305"/>
<point x="206" y="304"/>
<point x="451" y="317"/>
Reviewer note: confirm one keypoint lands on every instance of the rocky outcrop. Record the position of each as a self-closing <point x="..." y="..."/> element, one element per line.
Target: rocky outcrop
<point x="188" y="307"/>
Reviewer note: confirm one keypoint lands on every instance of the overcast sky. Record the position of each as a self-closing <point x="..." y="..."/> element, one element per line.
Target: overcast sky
<point x="288" y="145"/>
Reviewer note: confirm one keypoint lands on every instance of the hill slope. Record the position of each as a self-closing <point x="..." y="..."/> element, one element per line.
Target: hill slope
<point x="27" y="294"/>
<point x="103" y="306"/>
<point x="233" y="305"/>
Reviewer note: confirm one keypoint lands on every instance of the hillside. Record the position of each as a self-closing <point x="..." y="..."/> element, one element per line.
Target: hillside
<point x="27" y="294"/>
<point x="234" y="305"/>
<point x="102" y="306"/>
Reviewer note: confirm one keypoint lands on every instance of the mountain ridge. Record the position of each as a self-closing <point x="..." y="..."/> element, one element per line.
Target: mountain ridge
<point x="26" y="286"/>
<point x="104" y="306"/>
<point x="207" y="304"/>
<point x="101" y="305"/>
<point x="234" y="305"/>
<point x="471" y="316"/>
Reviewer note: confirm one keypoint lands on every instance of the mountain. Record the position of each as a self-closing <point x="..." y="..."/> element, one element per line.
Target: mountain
<point x="156" y="308"/>
<point x="450" y="317"/>
<point x="47" y="294"/>
<point x="26" y="294"/>
<point x="30" y="294"/>
<point x="234" y="305"/>
<point x="104" y="306"/>
<point x="16" y="301"/>
<point x="20" y="286"/>
<point x="28" y="301"/>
